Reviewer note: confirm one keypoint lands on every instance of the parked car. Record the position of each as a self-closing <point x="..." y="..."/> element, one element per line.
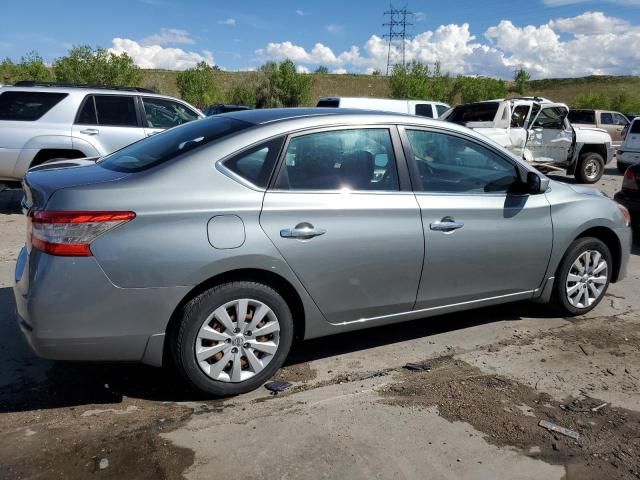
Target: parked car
<point x="413" y="107"/>
<point x="631" y="117"/>
<point x="537" y="130"/>
<point x="290" y="230"/>
<point x="629" y="152"/>
<point x="614" y="123"/>
<point x="44" y="121"/>
<point x="220" y="108"/>
<point x="629" y="195"/>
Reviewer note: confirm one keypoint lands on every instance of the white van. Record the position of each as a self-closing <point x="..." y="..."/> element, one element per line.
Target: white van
<point x="629" y="152"/>
<point x="414" y="107"/>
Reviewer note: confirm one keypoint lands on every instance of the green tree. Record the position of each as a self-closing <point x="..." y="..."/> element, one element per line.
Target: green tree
<point x="625" y="102"/>
<point x="322" y="70"/>
<point x="376" y="73"/>
<point x="32" y="67"/>
<point x="477" y="89"/>
<point x="8" y="71"/>
<point x="592" y="100"/>
<point x="521" y="77"/>
<point x="96" y="66"/>
<point x="197" y="85"/>
<point x="280" y="85"/>
<point x="416" y="81"/>
<point x="268" y="88"/>
<point x="243" y="94"/>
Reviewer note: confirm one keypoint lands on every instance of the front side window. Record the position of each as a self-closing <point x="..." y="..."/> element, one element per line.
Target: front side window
<point x="162" y="113"/>
<point x="620" y="119"/>
<point x="27" y="106"/>
<point x="358" y="159"/>
<point x="116" y="110"/>
<point x="452" y="164"/>
<point x="424" y="110"/>
<point x="519" y="116"/>
<point x="256" y="164"/>
<point x="441" y="109"/>
<point x="551" y="117"/>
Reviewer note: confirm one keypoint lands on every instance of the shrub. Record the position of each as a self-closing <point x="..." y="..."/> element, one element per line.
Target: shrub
<point x="197" y="85"/>
<point x="477" y="89"/>
<point x="96" y="67"/>
<point x="521" y="77"/>
<point x="280" y="85"/>
<point x="416" y="81"/>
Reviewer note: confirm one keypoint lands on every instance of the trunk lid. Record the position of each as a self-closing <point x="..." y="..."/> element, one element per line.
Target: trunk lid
<point x="42" y="181"/>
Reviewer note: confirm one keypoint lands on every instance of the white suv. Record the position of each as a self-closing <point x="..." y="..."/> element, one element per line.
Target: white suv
<point x="44" y="121"/>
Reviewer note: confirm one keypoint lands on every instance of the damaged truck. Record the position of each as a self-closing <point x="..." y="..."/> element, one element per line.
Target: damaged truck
<point x="539" y="131"/>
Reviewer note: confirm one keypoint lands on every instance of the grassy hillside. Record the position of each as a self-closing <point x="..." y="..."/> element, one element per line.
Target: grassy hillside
<point x="561" y="90"/>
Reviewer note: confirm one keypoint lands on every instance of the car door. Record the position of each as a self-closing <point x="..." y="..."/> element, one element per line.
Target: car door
<point x="620" y="123"/>
<point x="162" y="113"/>
<point x="344" y="218"/>
<point x="482" y="238"/>
<point x="108" y="122"/>
<point x="550" y="135"/>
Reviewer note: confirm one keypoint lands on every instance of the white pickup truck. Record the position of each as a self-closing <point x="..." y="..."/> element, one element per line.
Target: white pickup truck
<point x="538" y="130"/>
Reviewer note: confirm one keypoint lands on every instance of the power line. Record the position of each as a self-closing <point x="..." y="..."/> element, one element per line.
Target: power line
<point x="397" y="33"/>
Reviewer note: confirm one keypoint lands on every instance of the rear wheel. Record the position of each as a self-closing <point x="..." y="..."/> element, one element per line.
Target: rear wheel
<point x="583" y="276"/>
<point x="233" y="338"/>
<point x="590" y="167"/>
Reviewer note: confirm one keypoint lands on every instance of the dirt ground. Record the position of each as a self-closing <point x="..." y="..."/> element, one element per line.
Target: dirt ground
<point x="489" y="377"/>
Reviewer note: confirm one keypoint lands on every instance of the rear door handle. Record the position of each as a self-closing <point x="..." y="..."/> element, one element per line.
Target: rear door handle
<point x="446" y="225"/>
<point x="90" y="131"/>
<point x="302" y="231"/>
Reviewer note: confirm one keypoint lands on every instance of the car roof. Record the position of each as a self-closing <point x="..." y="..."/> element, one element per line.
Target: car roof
<point x="84" y="90"/>
<point x="269" y="115"/>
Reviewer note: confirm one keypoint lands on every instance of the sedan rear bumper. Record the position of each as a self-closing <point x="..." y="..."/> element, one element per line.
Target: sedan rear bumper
<point x="69" y="310"/>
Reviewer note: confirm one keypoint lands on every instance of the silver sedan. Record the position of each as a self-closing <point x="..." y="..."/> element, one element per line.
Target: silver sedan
<point x="215" y="244"/>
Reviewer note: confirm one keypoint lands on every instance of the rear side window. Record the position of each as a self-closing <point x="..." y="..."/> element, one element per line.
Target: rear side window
<point x="606" y="119"/>
<point x="519" y="116"/>
<point x="167" y="145"/>
<point x="441" y="109"/>
<point x="256" y="164"/>
<point x="582" y="116"/>
<point x="635" y="126"/>
<point x="474" y="112"/>
<point x="424" y="110"/>
<point x="329" y="103"/>
<point x="116" y="110"/>
<point x="27" y="106"/>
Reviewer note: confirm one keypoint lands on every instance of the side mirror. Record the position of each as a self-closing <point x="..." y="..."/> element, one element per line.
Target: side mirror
<point x="536" y="184"/>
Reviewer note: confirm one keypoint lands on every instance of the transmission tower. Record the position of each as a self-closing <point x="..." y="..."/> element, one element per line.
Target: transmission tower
<point x="398" y="23"/>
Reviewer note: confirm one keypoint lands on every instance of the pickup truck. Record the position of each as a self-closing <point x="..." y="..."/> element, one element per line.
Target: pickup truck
<point x="539" y="131"/>
<point x="615" y="123"/>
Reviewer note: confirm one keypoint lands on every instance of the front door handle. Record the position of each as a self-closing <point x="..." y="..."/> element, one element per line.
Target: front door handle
<point x="447" y="224"/>
<point x="90" y="131"/>
<point x="302" y="231"/>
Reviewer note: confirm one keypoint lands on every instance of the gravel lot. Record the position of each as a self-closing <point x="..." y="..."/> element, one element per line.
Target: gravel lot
<point x="490" y="376"/>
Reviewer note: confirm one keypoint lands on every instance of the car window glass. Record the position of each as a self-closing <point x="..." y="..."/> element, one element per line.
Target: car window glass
<point x="549" y="118"/>
<point x="116" y="110"/>
<point x="620" y="119"/>
<point x="27" y="106"/>
<point x="582" y="116"/>
<point x="635" y="126"/>
<point x="87" y="114"/>
<point x="519" y="116"/>
<point x="424" y="110"/>
<point x="451" y="164"/>
<point x="441" y="109"/>
<point x="358" y="159"/>
<point x="474" y="112"/>
<point x="256" y="164"/>
<point x="161" y="113"/>
<point x="606" y="118"/>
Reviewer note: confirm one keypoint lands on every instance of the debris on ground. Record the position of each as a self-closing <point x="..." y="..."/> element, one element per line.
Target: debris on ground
<point x="103" y="463"/>
<point x="595" y="409"/>
<point x="552" y="427"/>
<point x="418" y="367"/>
<point x="277" y="386"/>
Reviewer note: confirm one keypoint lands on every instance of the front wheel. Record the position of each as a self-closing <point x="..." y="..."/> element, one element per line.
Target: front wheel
<point x="583" y="276"/>
<point x="233" y="338"/>
<point x="590" y="168"/>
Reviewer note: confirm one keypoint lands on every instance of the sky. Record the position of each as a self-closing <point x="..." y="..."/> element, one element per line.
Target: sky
<point x="549" y="38"/>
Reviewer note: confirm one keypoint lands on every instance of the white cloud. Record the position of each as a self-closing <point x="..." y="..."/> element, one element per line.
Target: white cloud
<point x="300" y="12"/>
<point x="339" y="71"/>
<point x="420" y="16"/>
<point x="335" y="28"/>
<point x="228" y="21"/>
<point x="587" y="44"/>
<point x="168" y="36"/>
<point x="157" y="56"/>
<point x="302" y="69"/>
<point x="562" y="3"/>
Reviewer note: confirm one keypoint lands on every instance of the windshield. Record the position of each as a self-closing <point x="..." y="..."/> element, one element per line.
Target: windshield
<point x="474" y="112"/>
<point x="164" y="146"/>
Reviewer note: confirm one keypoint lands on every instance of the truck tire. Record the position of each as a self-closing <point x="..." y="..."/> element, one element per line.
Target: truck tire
<point x="590" y="167"/>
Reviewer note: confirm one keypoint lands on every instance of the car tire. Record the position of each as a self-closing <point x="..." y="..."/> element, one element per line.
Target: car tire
<point x="590" y="168"/>
<point x="571" y="284"/>
<point x="209" y="324"/>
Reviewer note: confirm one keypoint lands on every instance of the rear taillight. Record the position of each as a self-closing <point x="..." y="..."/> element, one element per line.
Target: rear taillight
<point x="71" y="233"/>
<point x="629" y="181"/>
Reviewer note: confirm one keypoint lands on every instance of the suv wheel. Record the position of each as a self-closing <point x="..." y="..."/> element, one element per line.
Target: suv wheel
<point x="583" y="276"/>
<point x="590" y="167"/>
<point x="233" y="338"/>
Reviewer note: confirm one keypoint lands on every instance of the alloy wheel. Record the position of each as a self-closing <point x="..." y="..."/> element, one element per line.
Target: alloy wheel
<point x="237" y="340"/>
<point x="591" y="169"/>
<point x="587" y="279"/>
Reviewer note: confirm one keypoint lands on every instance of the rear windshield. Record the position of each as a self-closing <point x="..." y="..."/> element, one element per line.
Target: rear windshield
<point x="329" y="103"/>
<point x="27" y="106"/>
<point x="474" y="112"/>
<point x="582" y="116"/>
<point x="164" y="146"/>
<point x="635" y="126"/>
